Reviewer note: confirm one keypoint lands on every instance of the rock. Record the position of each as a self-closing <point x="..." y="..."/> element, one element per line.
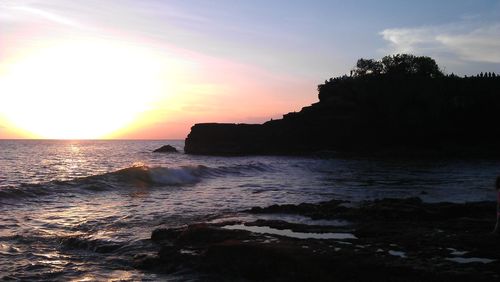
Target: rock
<point x="163" y="234"/>
<point x="424" y="233"/>
<point x="166" y="149"/>
<point x="321" y="210"/>
<point x="227" y="139"/>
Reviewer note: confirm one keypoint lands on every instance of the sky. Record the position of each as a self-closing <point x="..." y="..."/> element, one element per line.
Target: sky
<point x="151" y="69"/>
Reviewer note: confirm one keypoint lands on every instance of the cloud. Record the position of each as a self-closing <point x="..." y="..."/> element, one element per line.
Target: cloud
<point x="480" y="45"/>
<point x="464" y="41"/>
<point x="46" y="15"/>
<point x="120" y="13"/>
<point x="19" y="11"/>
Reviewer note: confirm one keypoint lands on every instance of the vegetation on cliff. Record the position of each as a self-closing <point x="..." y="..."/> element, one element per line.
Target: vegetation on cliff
<point x="401" y="101"/>
<point x="400" y="65"/>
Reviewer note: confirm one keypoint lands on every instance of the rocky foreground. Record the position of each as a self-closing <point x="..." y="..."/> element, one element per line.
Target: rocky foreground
<point x="383" y="240"/>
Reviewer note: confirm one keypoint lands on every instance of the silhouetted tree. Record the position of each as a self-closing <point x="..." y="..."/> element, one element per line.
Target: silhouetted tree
<point x="406" y="64"/>
<point x="397" y="64"/>
<point x="365" y="67"/>
<point x="425" y="66"/>
<point x="400" y="64"/>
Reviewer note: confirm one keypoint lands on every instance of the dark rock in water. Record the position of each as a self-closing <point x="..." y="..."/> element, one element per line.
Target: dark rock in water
<point x="147" y="262"/>
<point x="166" y="149"/>
<point x="162" y="234"/>
<point x="322" y="210"/>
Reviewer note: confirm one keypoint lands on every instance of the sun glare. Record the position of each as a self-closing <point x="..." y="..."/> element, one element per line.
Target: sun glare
<point x="80" y="90"/>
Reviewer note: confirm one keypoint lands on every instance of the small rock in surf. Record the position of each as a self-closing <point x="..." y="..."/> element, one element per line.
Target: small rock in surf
<point x="166" y="149"/>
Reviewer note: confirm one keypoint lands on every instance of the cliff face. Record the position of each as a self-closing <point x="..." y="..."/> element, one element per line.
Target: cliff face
<point x="365" y="113"/>
<point x="226" y="139"/>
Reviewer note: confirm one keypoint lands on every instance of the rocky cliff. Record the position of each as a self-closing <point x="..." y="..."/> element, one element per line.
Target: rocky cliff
<point x="368" y="113"/>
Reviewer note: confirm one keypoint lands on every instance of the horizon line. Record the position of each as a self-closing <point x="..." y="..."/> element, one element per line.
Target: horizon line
<point x="96" y="139"/>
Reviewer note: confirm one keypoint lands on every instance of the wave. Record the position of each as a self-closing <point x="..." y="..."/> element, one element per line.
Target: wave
<point x="133" y="177"/>
<point x="243" y="169"/>
<point x="150" y="176"/>
<point x="65" y="241"/>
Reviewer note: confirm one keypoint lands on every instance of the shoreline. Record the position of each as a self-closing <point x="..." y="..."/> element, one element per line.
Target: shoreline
<point x="387" y="239"/>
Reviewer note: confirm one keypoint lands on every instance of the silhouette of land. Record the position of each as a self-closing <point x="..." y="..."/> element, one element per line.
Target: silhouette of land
<point x="402" y="102"/>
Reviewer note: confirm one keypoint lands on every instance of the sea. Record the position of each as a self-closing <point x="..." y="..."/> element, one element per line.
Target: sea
<point x="83" y="210"/>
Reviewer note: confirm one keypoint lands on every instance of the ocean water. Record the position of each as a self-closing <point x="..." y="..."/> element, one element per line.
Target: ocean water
<point x="81" y="210"/>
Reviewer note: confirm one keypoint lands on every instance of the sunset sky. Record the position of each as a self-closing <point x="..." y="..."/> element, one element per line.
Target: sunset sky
<point x="151" y="69"/>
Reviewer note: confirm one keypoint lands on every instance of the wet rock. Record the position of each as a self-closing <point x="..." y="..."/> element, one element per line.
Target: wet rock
<point x="162" y="234"/>
<point x="423" y="233"/>
<point x="320" y="210"/>
<point x="146" y="262"/>
<point x="207" y="234"/>
<point x="255" y="261"/>
<point x="166" y="149"/>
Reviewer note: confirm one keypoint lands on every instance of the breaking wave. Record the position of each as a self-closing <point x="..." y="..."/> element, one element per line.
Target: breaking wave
<point x="135" y="176"/>
<point x="153" y="176"/>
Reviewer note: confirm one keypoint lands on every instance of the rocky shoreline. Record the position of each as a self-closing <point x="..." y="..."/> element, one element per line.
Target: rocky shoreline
<point x="382" y="240"/>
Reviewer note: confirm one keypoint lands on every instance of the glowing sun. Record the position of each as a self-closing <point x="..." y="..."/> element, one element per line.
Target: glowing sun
<point x="80" y="89"/>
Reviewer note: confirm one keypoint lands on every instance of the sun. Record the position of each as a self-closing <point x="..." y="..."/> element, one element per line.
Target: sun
<point x="80" y="89"/>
